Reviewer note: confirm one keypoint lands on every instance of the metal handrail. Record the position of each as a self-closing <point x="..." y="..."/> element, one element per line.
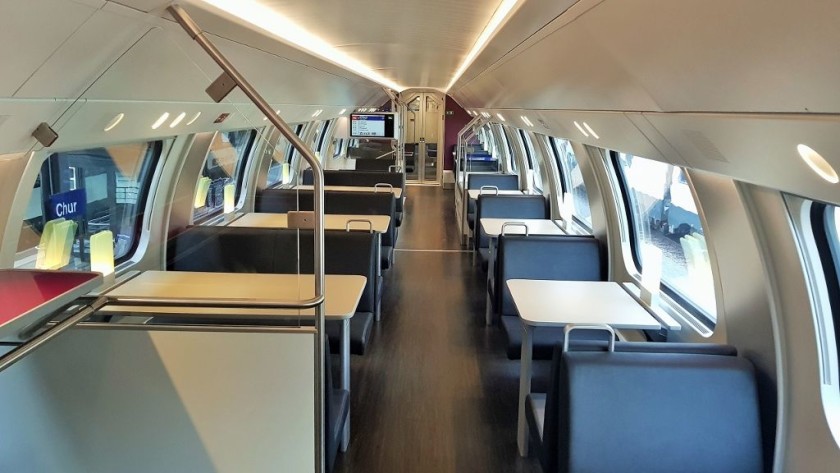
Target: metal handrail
<point x="358" y="220"/>
<point x="571" y="327"/>
<point x="38" y="341"/>
<point x="220" y="303"/>
<point x="481" y="191"/>
<point x="386" y="154"/>
<point x="187" y="23"/>
<point x="382" y="185"/>
<point x="514" y="224"/>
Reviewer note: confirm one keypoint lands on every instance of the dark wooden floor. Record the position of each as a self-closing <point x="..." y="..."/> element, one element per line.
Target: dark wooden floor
<point x="435" y="392"/>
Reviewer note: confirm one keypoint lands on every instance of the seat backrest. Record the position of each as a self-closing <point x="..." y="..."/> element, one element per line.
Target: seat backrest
<point x="505" y="182"/>
<point x="559" y="258"/>
<point x="374" y="164"/>
<point x="276" y="250"/>
<point x="282" y="201"/>
<point x="507" y="206"/>
<point x="357" y="178"/>
<point x="654" y="411"/>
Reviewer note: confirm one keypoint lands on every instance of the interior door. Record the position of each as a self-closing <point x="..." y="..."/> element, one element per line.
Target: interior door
<point x="423" y="129"/>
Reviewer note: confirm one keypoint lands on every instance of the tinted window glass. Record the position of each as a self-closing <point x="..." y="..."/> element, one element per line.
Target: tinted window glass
<point x="225" y="164"/>
<point x="97" y="189"/>
<point x="573" y="181"/>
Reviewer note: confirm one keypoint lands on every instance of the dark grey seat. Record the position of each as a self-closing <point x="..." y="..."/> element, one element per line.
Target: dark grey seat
<point x="363" y="179"/>
<point x="558" y="258"/>
<point x="505" y="206"/>
<point x="335" y="202"/>
<point x="652" y="407"/>
<point x="336" y="412"/>
<point x="381" y="165"/>
<point x="504" y="182"/>
<point x="284" y="251"/>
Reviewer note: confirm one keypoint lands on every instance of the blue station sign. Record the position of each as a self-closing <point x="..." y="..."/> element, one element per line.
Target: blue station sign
<point x="68" y="205"/>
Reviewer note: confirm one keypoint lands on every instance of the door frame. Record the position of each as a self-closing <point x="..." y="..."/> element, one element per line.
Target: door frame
<point x="406" y="97"/>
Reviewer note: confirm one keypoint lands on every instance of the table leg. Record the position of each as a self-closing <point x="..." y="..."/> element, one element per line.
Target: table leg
<point x="345" y="377"/>
<point x="524" y="387"/>
<point x="377" y="296"/>
<point x="488" y="314"/>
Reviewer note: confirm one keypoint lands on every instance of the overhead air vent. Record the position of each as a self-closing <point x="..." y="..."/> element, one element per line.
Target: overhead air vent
<point x="704" y="145"/>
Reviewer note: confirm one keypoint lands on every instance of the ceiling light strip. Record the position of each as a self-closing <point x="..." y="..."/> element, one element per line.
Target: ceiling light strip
<point x="495" y="22"/>
<point x="277" y="25"/>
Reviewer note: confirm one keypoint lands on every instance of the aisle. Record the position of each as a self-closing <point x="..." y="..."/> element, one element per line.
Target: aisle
<point x="435" y="393"/>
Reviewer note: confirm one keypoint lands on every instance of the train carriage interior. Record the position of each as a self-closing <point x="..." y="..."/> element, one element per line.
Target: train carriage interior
<point x="513" y="236"/>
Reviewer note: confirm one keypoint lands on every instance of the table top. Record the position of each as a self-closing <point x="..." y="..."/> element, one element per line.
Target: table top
<point x="553" y="303"/>
<point x="493" y="226"/>
<point x="342" y="292"/>
<point x="396" y="190"/>
<point x="331" y="221"/>
<point x="27" y="296"/>
<point x="474" y="193"/>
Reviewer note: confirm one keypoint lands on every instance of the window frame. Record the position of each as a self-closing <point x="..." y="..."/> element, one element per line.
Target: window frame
<point x="241" y="165"/>
<point x="824" y="230"/>
<point x="566" y="181"/>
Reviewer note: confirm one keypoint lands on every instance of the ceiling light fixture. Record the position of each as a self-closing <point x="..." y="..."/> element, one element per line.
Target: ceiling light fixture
<point x="342" y="111"/>
<point x="160" y="121"/>
<point x="591" y="131"/>
<point x="114" y="122"/>
<point x="501" y="13"/>
<point x="580" y="129"/>
<point x="193" y="119"/>
<point x="818" y="164"/>
<point x="527" y="122"/>
<point x="178" y="120"/>
<point x="272" y="22"/>
<point x="317" y="113"/>
<point x="500" y="116"/>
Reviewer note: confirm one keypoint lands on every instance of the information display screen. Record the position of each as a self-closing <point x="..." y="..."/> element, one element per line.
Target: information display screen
<point x="372" y="125"/>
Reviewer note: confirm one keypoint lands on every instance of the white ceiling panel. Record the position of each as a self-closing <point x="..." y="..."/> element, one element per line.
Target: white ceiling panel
<point x="41" y="25"/>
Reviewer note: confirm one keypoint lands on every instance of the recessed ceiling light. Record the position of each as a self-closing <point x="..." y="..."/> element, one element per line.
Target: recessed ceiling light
<point x="591" y="131"/>
<point x="160" y="121"/>
<point x="527" y="122"/>
<point x="496" y="20"/>
<point x="114" y="122"/>
<point x="817" y="163"/>
<point x="178" y="120"/>
<point x="194" y="118"/>
<point x="342" y="111"/>
<point x="317" y="113"/>
<point x="500" y="116"/>
<point x="580" y="128"/>
<point x="268" y="19"/>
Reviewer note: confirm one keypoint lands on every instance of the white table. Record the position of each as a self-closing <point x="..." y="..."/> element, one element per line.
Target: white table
<point x="394" y="190"/>
<point x="378" y="224"/>
<point x="493" y="226"/>
<point x="341" y="292"/>
<point x="558" y="303"/>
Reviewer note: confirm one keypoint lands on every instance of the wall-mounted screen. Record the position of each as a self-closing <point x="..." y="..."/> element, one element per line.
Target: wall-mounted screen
<point x="372" y="125"/>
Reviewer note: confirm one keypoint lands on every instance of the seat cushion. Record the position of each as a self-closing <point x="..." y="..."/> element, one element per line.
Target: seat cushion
<point x="399" y="218"/>
<point x="360" y="328"/>
<point x="484" y="255"/>
<point x="471" y="220"/>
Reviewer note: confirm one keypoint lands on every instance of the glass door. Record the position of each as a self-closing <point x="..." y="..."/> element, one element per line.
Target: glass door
<point x="423" y="125"/>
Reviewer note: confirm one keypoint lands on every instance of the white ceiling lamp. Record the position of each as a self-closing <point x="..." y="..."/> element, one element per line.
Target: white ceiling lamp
<point x="817" y="163"/>
<point x="317" y="113"/>
<point x="500" y="117"/>
<point x="342" y="111"/>
<point x="178" y="120"/>
<point x="114" y="122"/>
<point x="501" y="13"/>
<point x="269" y="20"/>
<point x="160" y="121"/>
<point x="194" y="118"/>
<point x="580" y="129"/>
<point x="591" y="131"/>
<point x="527" y="122"/>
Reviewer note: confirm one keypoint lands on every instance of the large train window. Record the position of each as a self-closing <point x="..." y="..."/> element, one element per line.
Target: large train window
<point x="223" y="165"/>
<point x="666" y="228"/>
<point x="825" y="221"/>
<point x="93" y="190"/>
<point x="530" y="152"/>
<point x="572" y="180"/>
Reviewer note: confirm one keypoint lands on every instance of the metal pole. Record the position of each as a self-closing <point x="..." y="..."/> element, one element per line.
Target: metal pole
<point x="19" y="353"/>
<point x="186" y="22"/>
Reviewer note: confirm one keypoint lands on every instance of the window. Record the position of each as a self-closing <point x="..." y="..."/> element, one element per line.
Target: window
<point x="278" y="159"/>
<point x="113" y="184"/>
<point x="338" y="147"/>
<point x="532" y="160"/>
<point x="224" y="164"/>
<point x="572" y="181"/>
<point x="319" y="140"/>
<point x="826" y="225"/>
<point x="510" y="157"/>
<point x="663" y="215"/>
